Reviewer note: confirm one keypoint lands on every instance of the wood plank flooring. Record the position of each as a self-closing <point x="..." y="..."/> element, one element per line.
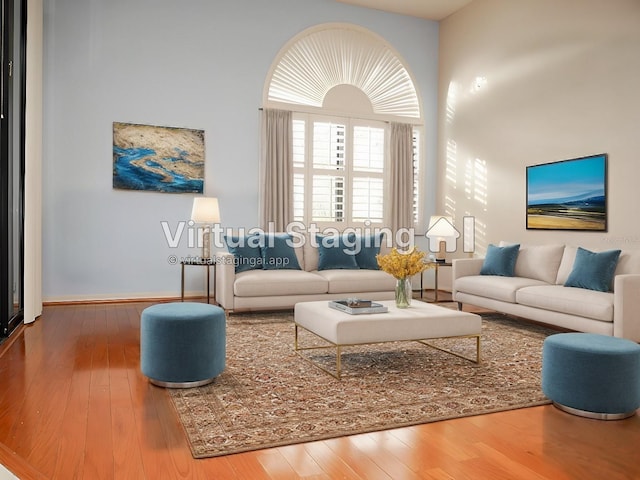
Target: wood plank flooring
<point x="74" y="405"/>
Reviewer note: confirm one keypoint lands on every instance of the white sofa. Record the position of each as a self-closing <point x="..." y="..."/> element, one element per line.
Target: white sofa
<point x="282" y="289"/>
<point x="537" y="291"/>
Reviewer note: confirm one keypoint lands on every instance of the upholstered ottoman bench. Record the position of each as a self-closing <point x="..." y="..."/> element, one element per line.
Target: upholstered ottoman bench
<point x="591" y="375"/>
<point x="421" y="322"/>
<point x="182" y="344"/>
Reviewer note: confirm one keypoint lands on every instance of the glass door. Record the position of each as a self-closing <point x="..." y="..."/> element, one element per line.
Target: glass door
<point x="12" y="47"/>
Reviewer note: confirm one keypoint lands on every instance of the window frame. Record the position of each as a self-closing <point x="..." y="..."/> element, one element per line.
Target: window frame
<point x="349" y="173"/>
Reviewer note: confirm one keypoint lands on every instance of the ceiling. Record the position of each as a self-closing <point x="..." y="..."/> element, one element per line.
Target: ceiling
<point x="429" y="9"/>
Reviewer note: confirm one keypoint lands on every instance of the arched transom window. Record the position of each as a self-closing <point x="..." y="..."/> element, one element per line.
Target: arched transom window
<point x="328" y="56"/>
<point x="344" y="84"/>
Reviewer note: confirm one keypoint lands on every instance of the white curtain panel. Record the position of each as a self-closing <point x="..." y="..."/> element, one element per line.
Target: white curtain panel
<point x="276" y="165"/>
<point x="401" y="175"/>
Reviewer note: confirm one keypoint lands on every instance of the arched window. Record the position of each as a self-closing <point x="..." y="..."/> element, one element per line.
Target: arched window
<point x="344" y="84"/>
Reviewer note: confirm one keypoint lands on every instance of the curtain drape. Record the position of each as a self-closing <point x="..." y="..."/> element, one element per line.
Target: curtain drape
<point x="401" y="175"/>
<point x="33" y="164"/>
<point x="276" y="165"/>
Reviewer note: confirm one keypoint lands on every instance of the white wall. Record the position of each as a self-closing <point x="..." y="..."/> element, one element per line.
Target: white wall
<point x="190" y="63"/>
<point x="561" y="82"/>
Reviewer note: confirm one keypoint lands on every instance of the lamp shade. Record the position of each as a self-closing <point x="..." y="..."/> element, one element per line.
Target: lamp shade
<point x="205" y="210"/>
<point x="441" y="226"/>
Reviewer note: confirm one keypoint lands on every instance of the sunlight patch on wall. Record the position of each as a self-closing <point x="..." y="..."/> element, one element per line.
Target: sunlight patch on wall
<point x="480" y="243"/>
<point x="475" y="182"/>
<point x="450" y="206"/>
<point x="475" y="191"/>
<point x="452" y="97"/>
<point x="468" y="234"/>
<point x="474" y="230"/>
<point x="451" y="178"/>
<point x="451" y="167"/>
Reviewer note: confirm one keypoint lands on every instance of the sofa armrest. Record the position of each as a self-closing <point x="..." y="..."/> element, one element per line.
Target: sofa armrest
<point x="626" y="306"/>
<point x="225" y="278"/>
<point x="464" y="267"/>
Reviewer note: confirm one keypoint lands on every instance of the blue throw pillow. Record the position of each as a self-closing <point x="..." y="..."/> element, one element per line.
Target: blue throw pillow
<point x="336" y="252"/>
<point x="592" y="270"/>
<point x="500" y="260"/>
<point x="278" y="253"/>
<point x="246" y="251"/>
<point x="367" y="247"/>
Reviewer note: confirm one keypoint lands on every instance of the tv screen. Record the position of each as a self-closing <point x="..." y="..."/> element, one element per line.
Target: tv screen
<point x="568" y="195"/>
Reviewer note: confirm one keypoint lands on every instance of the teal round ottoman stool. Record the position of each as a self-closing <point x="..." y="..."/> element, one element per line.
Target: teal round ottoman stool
<point x="592" y="375"/>
<point x="182" y="344"/>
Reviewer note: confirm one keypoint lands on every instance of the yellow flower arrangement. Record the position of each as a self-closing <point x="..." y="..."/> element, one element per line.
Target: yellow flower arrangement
<point x="403" y="265"/>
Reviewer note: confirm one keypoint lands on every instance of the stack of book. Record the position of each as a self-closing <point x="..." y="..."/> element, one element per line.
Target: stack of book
<point x="357" y="307"/>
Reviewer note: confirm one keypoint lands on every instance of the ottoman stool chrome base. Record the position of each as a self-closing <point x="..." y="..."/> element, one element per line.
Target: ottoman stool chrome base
<point x="199" y="383"/>
<point x="594" y="415"/>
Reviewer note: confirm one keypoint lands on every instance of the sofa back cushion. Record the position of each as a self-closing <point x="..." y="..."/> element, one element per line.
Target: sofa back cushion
<point x="539" y="262"/>
<point x="311" y="254"/>
<point x="566" y="264"/>
<point x="629" y="262"/>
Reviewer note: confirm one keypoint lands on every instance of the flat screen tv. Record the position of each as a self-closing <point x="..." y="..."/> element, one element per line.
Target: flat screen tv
<point x="568" y="195"/>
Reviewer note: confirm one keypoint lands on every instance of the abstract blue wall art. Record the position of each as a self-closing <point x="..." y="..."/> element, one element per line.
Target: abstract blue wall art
<point x="158" y="159"/>
<point x="568" y="195"/>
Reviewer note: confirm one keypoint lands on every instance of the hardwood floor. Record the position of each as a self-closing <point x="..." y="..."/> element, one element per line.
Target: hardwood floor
<point x="74" y="405"/>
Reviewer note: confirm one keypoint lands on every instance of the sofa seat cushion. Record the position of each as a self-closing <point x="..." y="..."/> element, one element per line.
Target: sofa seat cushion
<point x="263" y="283"/>
<point x="354" y="281"/>
<point x="570" y="300"/>
<point x="495" y="286"/>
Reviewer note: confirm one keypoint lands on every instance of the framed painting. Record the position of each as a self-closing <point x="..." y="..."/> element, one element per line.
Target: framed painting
<point x="158" y="159"/>
<point x="568" y="195"/>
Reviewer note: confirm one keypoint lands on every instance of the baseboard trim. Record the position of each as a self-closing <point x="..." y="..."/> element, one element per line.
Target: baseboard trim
<point x="7" y="342"/>
<point x="99" y="301"/>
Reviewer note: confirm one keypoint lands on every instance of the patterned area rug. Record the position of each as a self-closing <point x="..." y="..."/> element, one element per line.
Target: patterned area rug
<point x="268" y="396"/>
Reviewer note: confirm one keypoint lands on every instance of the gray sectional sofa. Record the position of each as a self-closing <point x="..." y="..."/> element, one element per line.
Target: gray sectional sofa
<point x="537" y="291"/>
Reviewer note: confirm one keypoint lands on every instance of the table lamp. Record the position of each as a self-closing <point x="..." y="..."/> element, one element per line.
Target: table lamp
<point x="440" y="229"/>
<point x="205" y="211"/>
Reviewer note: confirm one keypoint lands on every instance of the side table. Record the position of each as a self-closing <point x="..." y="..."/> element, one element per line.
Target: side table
<point x="202" y="263"/>
<point x="436" y="267"/>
